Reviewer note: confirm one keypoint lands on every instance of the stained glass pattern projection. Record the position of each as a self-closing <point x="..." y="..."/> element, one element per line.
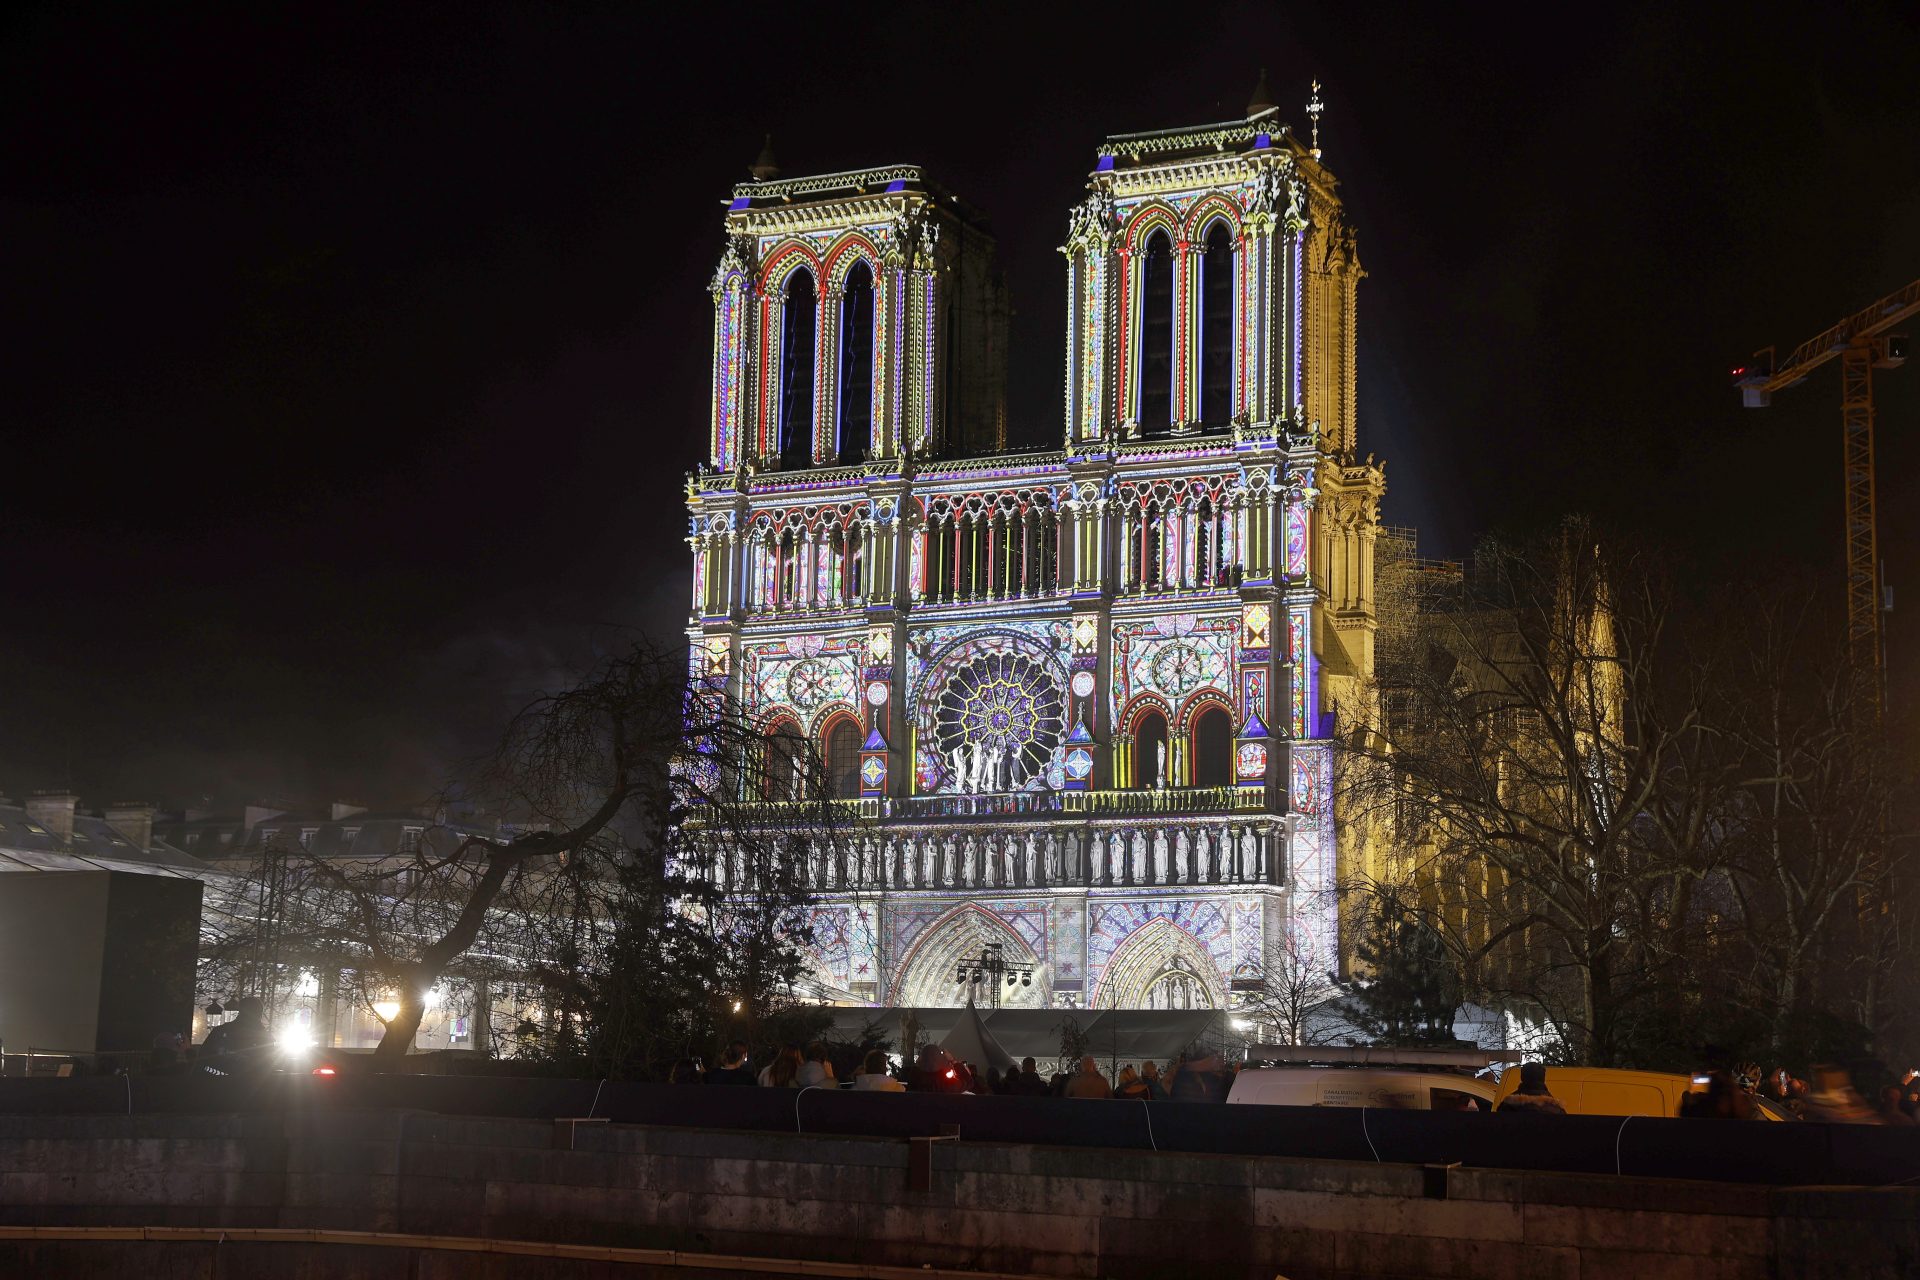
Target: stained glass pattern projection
<point x="997" y="722"/>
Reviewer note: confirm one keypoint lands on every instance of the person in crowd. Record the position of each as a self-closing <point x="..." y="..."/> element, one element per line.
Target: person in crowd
<point x="1834" y="1100"/>
<point x="1026" y="1082"/>
<point x="1150" y="1080"/>
<point x="935" y="1071"/>
<point x="733" y="1068"/>
<point x="1722" y="1099"/>
<point x="1532" y="1097"/>
<point x="995" y="1082"/>
<point x="245" y="1034"/>
<point x="874" y="1076"/>
<point x="685" y="1071"/>
<point x="1202" y="1078"/>
<point x="1910" y="1095"/>
<point x="784" y="1071"/>
<point x="1088" y="1082"/>
<point x="816" y="1072"/>
<point x="1891" y="1110"/>
<point x="1129" y="1085"/>
<point x="164" y="1057"/>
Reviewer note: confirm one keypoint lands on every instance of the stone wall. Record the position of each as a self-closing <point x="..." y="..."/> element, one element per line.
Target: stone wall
<point x="1026" y="1209"/>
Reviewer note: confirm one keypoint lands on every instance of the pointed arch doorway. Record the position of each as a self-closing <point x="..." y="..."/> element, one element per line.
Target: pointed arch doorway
<point x="927" y="972"/>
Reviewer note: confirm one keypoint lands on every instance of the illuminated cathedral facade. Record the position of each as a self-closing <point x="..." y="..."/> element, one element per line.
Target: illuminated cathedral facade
<point x="1075" y="702"/>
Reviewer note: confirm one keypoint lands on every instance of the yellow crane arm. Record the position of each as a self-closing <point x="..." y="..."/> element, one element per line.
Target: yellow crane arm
<point x="1816" y="351"/>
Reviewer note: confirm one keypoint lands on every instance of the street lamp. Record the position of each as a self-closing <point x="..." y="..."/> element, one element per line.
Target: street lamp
<point x="990" y="968"/>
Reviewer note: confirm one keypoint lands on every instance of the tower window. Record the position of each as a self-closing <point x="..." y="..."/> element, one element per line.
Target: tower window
<point x="843" y="759"/>
<point x="796" y="371"/>
<point x="856" y="365"/>
<point x="1213" y="748"/>
<point x="1216" y="327"/>
<point x="1156" y="336"/>
<point x="786" y="763"/>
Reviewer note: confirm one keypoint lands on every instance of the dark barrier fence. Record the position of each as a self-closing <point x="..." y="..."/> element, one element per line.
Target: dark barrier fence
<point x="1755" y="1151"/>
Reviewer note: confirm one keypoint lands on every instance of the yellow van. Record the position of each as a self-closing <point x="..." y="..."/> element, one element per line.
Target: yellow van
<point x="1601" y="1091"/>
<point x="1605" y="1091"/>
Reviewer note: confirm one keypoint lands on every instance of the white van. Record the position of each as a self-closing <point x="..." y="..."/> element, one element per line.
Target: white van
<point x="1361" y="1087"/>
<point x="1317" y="1076"/>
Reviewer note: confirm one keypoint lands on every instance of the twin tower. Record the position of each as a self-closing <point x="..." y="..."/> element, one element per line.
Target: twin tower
<point x="1074" y="703"/>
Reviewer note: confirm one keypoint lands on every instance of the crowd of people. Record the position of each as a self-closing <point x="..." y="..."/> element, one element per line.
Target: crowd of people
<point x="1200" y="1077"/>
<point x="1204" y="1077"/>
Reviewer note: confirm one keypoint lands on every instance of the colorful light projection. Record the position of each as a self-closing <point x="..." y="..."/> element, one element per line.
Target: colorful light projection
<point x="1296" y="539"/>
<point x="1302" y="657"/>
<point x="989" y="708"/>
<point x="1174" y="656"/>
<point x="729" y="367"/>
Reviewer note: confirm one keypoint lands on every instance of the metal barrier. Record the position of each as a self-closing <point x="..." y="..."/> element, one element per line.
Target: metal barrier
<point x="1724" y="1151"/>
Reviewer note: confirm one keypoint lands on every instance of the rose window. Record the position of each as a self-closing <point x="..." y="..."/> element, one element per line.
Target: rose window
<point x="997" y="722"/>
<point x="807" y="685"/>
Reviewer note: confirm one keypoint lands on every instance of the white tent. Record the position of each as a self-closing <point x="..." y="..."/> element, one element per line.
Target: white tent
<point x="970" y="1042"/>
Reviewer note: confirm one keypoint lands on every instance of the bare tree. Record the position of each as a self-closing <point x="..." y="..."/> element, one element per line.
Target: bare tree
<point x="1296" y="995"/>
<point x="634" y="774"/>
<point x="1549" y="789"/>
<point x="1808" y="835"/>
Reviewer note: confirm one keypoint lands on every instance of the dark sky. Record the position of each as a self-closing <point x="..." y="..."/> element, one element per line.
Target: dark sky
<point x="354" y="358"/>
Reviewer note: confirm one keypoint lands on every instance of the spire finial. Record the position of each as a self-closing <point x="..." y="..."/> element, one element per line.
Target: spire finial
<point x="1262" y="100"/>
<point x="1314" y="108"/>
<point x="764" y="169"/>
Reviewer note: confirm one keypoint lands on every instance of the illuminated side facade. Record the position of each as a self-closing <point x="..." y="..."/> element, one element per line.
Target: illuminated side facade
<point x="1074" y="702"/>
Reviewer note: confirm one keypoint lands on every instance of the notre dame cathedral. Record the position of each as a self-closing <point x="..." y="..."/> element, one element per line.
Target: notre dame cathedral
<point x="1076" y="703"/>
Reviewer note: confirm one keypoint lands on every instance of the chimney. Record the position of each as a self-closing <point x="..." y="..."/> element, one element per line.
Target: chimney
<point x="54" y="811"/>
<point x="134" y="821"/>
<point x="341" y="809"/>
<point x="255" y="815"/>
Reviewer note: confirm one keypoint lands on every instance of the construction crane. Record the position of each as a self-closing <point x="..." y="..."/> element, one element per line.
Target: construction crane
<point x="1862" y="343"/>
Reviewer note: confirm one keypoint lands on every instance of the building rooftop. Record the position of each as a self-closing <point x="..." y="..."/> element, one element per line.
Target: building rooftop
<point x="30" y="842"/>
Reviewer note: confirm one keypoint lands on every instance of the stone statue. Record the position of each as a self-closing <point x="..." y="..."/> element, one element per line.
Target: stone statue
<point x="1160" y="765"/>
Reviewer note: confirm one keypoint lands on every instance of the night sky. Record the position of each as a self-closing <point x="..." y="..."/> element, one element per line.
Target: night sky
<point x="354" y="360"/>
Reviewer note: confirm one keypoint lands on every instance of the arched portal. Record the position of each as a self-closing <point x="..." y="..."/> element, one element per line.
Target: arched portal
<point x="1213" y="747"/>
<point x="1161" y="962"/>
<point x="926" y="977"/>
<point x="1150" y="750"/>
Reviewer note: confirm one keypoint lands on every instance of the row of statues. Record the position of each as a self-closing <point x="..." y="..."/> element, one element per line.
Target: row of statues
<point x="1203" y="855"/>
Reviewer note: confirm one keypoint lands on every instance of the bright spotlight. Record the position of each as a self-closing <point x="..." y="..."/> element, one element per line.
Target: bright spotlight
<point x="387" y="1009"/>
<point x="294" y="1040"/>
